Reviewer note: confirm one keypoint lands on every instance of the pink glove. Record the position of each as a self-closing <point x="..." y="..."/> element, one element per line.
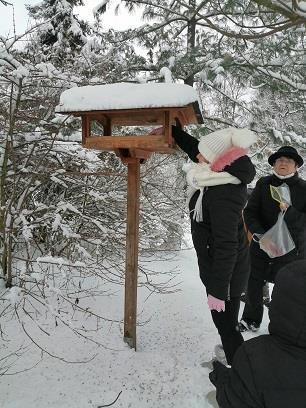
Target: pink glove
<point x="215" y="304"/>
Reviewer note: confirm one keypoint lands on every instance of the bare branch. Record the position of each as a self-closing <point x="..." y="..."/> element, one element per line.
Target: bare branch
<point x="109" y="405"/>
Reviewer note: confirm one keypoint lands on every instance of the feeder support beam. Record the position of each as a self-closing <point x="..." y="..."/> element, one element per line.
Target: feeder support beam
<point x="131" y="266"/>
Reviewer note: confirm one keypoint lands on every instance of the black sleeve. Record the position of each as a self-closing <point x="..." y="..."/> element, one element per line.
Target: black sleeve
<point x="296" y="218"/>
<point x="252" y="212"/>
<point x="242" y="168"/>
<point x="219" y="374"/>
<point x="236" y="387"/>
<point x="186" y="142"/>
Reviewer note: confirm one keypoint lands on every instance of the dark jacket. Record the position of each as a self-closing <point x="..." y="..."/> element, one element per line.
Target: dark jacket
<point x="220" y="239"/>
<point x="269" y="371"/>
<point x="261" y="214"/>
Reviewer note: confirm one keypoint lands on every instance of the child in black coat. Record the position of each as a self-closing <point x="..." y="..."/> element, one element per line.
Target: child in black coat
<point x="269" y="371"/>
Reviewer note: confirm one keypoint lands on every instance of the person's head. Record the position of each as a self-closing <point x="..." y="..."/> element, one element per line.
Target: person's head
<point x="217" y="143"/>
<point x="287" y="310"/>
<point x="285" y="160"/>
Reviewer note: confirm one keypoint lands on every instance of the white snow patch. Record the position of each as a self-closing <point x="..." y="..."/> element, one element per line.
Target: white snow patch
<point x="165" y="372"/>
<point x="14" y="295"/>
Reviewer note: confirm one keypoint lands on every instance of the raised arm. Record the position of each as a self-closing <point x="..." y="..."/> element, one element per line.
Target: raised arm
<point x="186" y="142"/>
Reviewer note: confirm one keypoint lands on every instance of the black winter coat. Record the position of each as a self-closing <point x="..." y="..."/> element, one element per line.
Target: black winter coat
<point x="269" y="371"/>
<point x="220" y="240"/>
<point x="261" y="214"/>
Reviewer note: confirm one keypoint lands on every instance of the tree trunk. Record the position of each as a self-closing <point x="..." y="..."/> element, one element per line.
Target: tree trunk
<point x="191" y="34"/>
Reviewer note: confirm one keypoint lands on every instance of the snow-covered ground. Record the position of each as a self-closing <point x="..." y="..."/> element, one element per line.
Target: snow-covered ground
<point x="165" y="371"/>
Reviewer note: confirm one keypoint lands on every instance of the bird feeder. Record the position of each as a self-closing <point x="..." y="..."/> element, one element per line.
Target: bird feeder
<point x="105" y="107"/>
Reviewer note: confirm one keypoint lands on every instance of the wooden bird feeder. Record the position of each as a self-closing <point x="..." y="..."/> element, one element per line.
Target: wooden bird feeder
<point x="123" y="104"/>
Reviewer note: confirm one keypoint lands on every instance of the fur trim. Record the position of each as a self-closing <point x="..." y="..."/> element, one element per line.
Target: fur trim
<point x="227" y="157"/>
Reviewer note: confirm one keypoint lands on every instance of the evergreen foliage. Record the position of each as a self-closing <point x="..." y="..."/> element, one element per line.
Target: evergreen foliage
<point x="234" y="52"/>
<point x="61" y="35"/>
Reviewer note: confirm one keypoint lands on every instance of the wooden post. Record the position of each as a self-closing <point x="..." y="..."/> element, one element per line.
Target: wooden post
<point x="108" y="127"/>
<point x="131" y="265"/>
<point x="85" y="129"/>
<point x="167" y="127"/>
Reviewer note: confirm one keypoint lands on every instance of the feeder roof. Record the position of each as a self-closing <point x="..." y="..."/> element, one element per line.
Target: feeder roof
<point x="120" y="96"/>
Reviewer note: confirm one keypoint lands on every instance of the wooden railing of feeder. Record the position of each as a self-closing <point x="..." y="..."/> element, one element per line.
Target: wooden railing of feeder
<point x="133" y="150"/>
<point x="136" y="145"/>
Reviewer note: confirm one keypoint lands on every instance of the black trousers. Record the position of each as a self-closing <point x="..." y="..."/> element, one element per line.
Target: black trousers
<point x="253" y="309"/>
<point x="227" y="326"/>
<point x="262" y="271"/>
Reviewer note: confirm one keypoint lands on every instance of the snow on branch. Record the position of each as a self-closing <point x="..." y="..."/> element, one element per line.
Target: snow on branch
<point x="60" y="261"/>
<point x="275" y="75"/>
<point x="100" y="8"/>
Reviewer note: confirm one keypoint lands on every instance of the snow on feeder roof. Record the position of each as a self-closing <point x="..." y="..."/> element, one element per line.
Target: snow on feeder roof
<point x="128" y="104"/>
<point x="126" y="96"/>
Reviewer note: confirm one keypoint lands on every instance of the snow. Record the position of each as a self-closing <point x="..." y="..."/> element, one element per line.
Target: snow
<point x="99" y="6"/>
<point x="13" y="295"/>
<point x="20" y="72"/>
<point x="298" y="7"/>
<point x="126" y="96"/>
<point x="175" y="334"/>
<point x="302" y="6"/>
<point x="58" y="261"/>
<point x="166" y="74"/>
<point x="278" y="76"/>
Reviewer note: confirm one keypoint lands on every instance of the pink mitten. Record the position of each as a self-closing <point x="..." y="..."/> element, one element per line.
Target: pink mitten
<point x="215" y="304"/>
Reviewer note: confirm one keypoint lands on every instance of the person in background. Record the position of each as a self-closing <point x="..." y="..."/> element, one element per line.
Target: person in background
<point x="269" y="371"/>
<point x="218" y="191"/>
<point x="266" y="289"/>
<point x="260" y="215"/>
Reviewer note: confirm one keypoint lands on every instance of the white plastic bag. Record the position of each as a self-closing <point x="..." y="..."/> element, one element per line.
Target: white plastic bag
<point x="277" y="241"/>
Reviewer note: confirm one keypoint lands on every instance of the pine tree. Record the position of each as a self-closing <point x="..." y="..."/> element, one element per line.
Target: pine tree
<point x="62" y="34"/>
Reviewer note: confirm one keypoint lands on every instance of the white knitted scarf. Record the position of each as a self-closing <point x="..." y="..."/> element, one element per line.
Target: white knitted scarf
<point x="199" y="177"/>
